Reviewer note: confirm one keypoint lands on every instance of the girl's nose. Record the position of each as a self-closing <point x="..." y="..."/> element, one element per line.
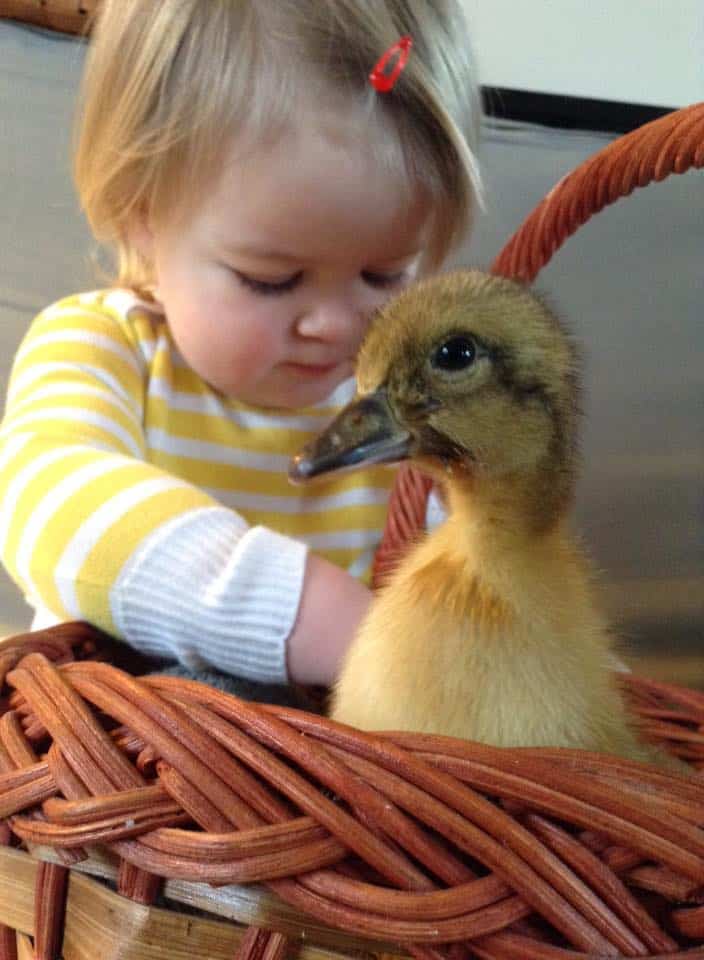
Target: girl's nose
<point x="333" y="322"/>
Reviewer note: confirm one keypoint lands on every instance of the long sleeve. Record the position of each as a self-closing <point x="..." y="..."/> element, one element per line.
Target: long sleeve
<point x="91" y="529"/>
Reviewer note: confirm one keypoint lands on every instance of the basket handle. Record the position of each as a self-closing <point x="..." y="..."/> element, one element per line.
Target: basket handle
<point x="671" y="144"/>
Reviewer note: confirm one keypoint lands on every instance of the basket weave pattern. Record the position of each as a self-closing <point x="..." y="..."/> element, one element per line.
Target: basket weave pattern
<point x="445" y="847"/>
<point x="406" y="838"/>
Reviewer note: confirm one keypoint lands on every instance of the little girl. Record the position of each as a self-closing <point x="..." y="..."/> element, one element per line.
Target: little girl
<point x="263" y="199"/>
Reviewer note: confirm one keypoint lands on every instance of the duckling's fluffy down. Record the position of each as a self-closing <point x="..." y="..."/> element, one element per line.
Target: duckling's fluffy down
<point x="488" y="630"/>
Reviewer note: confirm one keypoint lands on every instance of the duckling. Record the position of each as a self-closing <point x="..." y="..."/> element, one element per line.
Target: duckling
<point x="488" y="630"/>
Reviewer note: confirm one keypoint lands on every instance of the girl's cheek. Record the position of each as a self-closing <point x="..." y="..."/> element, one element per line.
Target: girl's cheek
<point x="261" y="340"/>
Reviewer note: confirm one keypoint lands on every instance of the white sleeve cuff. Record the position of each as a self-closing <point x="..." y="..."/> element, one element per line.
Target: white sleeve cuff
<point x="211" y="592"/>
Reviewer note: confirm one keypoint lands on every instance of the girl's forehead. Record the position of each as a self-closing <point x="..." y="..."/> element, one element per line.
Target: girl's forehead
<point x="317" y="197"/>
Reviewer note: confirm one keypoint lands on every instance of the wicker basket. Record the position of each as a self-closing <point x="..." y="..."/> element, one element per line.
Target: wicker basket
<point x="69" y="16"/>
<point x="199" y="808"/>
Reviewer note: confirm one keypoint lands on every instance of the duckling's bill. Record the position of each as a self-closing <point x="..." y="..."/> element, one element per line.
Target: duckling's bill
<point x="365" y="432"/>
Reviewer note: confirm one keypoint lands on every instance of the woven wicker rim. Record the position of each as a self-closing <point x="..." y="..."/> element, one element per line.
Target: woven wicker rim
<point x="257" y="779"/>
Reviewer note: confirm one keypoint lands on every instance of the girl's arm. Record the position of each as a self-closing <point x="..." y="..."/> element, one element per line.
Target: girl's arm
<point x="89" y="529"/>
<point x="332" y="606"/>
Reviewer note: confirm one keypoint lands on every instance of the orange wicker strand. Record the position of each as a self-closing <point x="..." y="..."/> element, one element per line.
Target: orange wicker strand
<point x="68" y="783"/>
<point x="237" y="844"/>
<point x="17" y="753"/>
<point x="275" y="948"/>
<point x="27" y="795"/>
<point x="434" y="857"/>
<point x="647" y="843"/>
<point x="51" y="700"/>
<point x="8" y="938"/>
<point x="268" y="807"/>
<point x="138" y="885"/>
<point x="690" y="922"/>
<point x="108" y="830"/>
<point x="435" y="905"/>
<point x="253" y="944"/>
<point x="15" y="744"/>
<point x="671" y="144"/>
<point x="665" y="882"/>
<point x="606" y="884"/>
<point x="71" y="16"/>
<point x="51" y="889"/>
<point x="8" y="943"/>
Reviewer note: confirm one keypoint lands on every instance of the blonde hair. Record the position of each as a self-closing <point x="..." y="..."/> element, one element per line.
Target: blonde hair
<point x="169" y="83"/>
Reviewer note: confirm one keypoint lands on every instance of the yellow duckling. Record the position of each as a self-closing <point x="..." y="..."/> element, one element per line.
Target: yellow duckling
<point x="488" y="630"/>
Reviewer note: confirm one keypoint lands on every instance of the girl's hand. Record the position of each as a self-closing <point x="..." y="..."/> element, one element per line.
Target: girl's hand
<point x="332" y="605"/>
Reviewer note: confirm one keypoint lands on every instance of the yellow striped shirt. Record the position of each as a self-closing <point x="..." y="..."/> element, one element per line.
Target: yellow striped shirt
<point x="138" y="498"/>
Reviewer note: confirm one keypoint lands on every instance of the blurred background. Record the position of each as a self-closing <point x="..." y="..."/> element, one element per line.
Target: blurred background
<point x="629" y="283"/>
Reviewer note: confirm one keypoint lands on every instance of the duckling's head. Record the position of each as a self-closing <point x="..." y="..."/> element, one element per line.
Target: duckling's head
<point x="471" y="376"/>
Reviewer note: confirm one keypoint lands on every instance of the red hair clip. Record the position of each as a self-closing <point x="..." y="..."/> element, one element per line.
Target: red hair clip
<point x="383" y="82"/>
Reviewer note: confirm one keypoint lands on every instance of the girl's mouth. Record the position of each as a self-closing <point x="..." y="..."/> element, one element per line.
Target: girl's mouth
<point x="311" y="370"/>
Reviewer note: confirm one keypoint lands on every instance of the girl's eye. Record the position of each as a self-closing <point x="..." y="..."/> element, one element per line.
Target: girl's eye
<point x="382" y="280"/>
<point x="267" y="287"/>
<point x="272" y="288"/>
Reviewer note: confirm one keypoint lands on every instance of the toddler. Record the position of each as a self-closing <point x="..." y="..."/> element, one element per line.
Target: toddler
<point x="263" y="199"/>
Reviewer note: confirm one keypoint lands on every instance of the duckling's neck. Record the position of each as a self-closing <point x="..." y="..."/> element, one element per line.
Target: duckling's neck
<point x="510" y="509"/>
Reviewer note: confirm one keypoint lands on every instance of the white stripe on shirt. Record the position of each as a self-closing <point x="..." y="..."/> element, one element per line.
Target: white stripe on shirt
<point x="81" y="415"/>
<point x="356" y="497"/>
<point x="340" y="539"/>
<point x="54" y="500"/>
<point x="19" y="483"/>
<point x="93" y="528"/>
<point x="211" y="405"/>
<point x="79" y="389"/>
<point x="40" y="370"/>
<point x="89" y="337"/>
<point x="205" y="450"/>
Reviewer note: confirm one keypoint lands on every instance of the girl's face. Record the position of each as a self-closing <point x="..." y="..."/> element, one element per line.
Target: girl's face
<point x="270" y="281"/>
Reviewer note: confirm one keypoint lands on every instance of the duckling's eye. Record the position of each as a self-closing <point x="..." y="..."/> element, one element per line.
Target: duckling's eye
<point x="455" y="354"/>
